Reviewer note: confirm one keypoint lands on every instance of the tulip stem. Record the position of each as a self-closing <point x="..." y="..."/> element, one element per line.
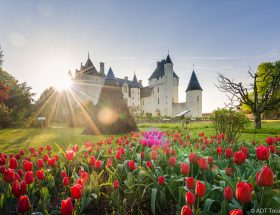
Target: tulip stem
<point x="262" y="194"/>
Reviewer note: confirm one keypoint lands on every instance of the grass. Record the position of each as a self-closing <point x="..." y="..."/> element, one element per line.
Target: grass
<point x="12" y="140"/>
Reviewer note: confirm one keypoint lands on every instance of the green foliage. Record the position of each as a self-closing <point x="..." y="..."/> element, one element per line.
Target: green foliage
<point x="229" y="122"/>
<point x="5" y="116"/>
<point x="18" y="100"/>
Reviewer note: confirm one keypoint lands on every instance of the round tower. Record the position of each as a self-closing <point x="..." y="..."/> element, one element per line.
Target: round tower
<point x="194" y="96"/>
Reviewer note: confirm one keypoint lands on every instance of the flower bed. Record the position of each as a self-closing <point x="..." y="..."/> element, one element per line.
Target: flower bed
<point x="143" y="173"/>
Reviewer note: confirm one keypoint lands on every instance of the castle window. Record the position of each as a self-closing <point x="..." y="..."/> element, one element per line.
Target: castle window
<point x="158" y="89"/>
<point x="158" y="101"/>
<point x="143" y="102"/>
<point x="125" y="89"/>
<point x="197" y="98"/>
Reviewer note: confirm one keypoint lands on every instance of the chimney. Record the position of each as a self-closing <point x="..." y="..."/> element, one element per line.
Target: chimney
<point x="102" y="67"/>
<point x="158" y="62"/>
<point x="126" y="78"/>
<point x="140" y="81"/>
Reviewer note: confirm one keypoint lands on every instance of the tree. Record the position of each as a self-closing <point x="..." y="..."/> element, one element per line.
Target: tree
<point x="261" y="95"/>
<point x="1" y="57"/>
<point x="16" y="97"/>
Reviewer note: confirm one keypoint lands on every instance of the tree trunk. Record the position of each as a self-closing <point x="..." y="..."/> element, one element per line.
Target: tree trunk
<point x="258" y="121"/>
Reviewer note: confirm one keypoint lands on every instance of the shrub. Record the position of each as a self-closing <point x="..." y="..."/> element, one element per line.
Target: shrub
<point x="229" y="122"/>
<point x="5" y="116"/>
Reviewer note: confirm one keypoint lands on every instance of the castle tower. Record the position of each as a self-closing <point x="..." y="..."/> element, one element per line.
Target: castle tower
<point x="168" y="94"/>
<point x="194" y="96"/>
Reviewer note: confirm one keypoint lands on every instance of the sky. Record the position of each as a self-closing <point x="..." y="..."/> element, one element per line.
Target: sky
<point x="43" y="40"/>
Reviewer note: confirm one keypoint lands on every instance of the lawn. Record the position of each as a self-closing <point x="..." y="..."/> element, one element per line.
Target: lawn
<point x="11" y="140"/>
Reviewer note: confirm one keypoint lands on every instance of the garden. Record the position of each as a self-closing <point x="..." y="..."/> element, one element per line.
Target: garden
<point x="148" y="172"/>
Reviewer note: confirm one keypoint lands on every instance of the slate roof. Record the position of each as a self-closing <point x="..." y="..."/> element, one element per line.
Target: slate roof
<point x="110" y="75"/>
<point x="89" y="69"/>
<point x="131" y="84"/>
<point x="193" y="84"/>
<point x="159" y="71"/>
<point x="145" y="92"/>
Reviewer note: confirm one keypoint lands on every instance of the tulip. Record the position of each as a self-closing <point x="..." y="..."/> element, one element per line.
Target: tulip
<point x="210" y="160"/>
<point x="185" y="168"/>
<point x="149" y="164"/>
<point x="76" y="191"/>
<point x="161" y="180"/>
<point x="219" y="150"/>
<point x="200" y="189"/>
<point x="186" y="210"/>
<point x="239" y="157"/>
<point x="190" y="182"/>
<point x="98" y="164"/>
<point x="13" y="163"/>
<point x="18" y="189"/>
<point x="27" y="165"/>
<point x="193" y="157"/>
<point x="228" y="152"/>
<point x="40" y="174"/>
<point x="66" y="207"/>
<point x="270" y="140"/>
<point x="9" y="175"/>
<point x="2" y="161"/>
<point x="172" y="161"/>
<point x="20" y="172"/>
<point x="265" y="177"/>
<point x="190" y="198"/>
<point x="154" y="155"/>
<point x="131" y="165"/>
<point x="228" y="193"/>
<point x="52" y="161"/>
<point x="118" y="155"/>
<point x="202" y="163"/>
<point x="244" y="192"/>
<point x="262" y="153"/>
<point x="29" y="178"/>
<point x="23" y="204"/>
<point x="236" y="212"/>
<point x="70" y="154"/>
<point x="116" y="184"/>
<point x="40" y="163"/>
<point x="66" y="181"/>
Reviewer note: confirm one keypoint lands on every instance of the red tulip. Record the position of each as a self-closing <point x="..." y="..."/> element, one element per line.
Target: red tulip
<point x="236" y="212"/>
<point x="262" y="153"/>
<point x="172" y="161"/>
<point x="27" y="165"/>
<point x="265" y="177"/>
<point x="2" y="161"/>
<point x="116" y="184"/>
<point x="66" y="207"/>
<point x="18" y="189"/>
<point x="149" y="164"/>
<point x="193" y="157"/>
<point x="190" y="182"/>
<point x="244" y="192"/>
<point x="228" y="152"/>
<point x="131" y="165"/>
<point x="52" y="161"/>
<point x="119" y="155"/>
<point x="186" y="210"/>
<point x="98" y="164"/>
<point x="200" y="189"/>
<point x="92" y="160"/>
<point x="40" y="163"/>
<point x="185" y="168"/>
<point x="76" y="191"/>
<point x="29" y="178"/>
<point x="45" y="157"/>
<point x="228" y="193"/>
<point x="161" y="180"/>
<point x="219" y="150"/>
<point x="210" y="160"/>
<point x="9" y="175"/>
<point x="239" y="157"/>
<point x="270" y="140"/>
<point x="13" y="163"/>
<point x="40" y="174"/>
<point x="3" y="169"/>
<point x="190" y="198"/>
<point x="70" y="154"/>
<point x="23" y="204"/>
<point x="66" y="181"/>
<point x="20" y="172"/>
<point x="202" y="163"/>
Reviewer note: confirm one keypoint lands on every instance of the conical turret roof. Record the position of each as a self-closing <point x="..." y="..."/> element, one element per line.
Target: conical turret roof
<point x="193" y="84"/>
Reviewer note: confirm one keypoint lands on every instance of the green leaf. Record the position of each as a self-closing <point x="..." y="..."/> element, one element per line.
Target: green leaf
<point x="153" y="200"/>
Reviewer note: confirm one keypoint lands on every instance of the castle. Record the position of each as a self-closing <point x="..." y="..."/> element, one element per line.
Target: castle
<point x="159" y="98"/>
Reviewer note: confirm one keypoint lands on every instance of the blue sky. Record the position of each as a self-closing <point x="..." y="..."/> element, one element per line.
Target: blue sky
<point x="42" y="40"/>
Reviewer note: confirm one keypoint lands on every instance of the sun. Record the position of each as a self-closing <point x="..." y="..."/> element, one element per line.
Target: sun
<point x="63" y="84"/>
